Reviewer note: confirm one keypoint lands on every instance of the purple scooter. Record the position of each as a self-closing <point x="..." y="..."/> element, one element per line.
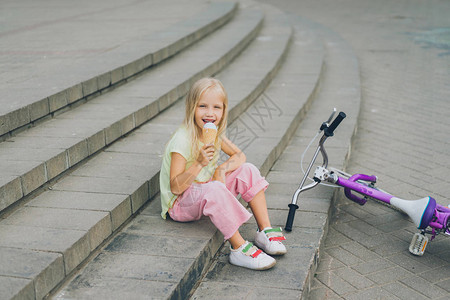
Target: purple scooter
<point x="429" y="217"/>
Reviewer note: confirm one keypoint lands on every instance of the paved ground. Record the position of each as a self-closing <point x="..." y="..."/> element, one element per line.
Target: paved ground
<point x="403" y="49"/>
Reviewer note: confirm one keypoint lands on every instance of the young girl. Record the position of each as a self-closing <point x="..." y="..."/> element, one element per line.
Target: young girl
<point x="193" y="185"/>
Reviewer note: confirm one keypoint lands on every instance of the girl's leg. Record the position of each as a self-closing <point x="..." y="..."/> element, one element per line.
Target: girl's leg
<point x="236" y="240"/>
<point x="219" y="204"/>
<point x="259" y="208"/>
<point x="247" y="181"/>
<point x="224" y="210"/>
<point x="227" y="214"/>
<point x="267" y="238"/>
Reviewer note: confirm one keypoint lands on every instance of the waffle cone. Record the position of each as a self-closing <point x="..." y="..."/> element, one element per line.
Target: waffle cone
<point x="209" y="135"/>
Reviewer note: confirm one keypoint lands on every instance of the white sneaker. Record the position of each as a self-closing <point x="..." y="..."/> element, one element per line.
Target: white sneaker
<point x="249" y="256"/>
<point x="270" y="241"/>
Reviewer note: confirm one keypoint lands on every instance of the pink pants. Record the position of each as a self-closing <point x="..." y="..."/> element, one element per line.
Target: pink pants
<point x="218" y="201"/>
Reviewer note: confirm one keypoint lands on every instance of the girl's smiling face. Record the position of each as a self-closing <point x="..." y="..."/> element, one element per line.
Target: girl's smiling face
<point x="209" y="108"/>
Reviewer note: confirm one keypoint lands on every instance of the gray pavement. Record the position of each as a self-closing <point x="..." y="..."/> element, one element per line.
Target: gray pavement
<point x="403" y="48"/>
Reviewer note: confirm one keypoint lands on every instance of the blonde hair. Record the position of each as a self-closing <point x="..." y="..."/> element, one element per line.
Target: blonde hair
<point x="192" y="99"/>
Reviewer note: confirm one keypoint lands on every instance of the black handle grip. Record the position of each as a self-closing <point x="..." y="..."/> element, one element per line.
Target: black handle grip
<point x="329" y="131"/>
<point x="290" y="219"/>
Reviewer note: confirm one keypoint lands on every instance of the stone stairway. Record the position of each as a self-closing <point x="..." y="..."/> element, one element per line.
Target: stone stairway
<point x="79" y="196"/>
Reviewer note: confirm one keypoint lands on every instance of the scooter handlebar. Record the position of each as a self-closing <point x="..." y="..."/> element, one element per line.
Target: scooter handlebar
<point x="290" y="219"/>
<point x="329" y="131"/>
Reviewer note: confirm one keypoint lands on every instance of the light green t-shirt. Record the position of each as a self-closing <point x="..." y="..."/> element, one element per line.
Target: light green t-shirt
<point x="181" y="143"/>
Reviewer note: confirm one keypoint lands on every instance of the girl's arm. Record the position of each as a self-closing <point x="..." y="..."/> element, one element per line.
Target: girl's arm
<point x="236" y="159"/>
<point x="181" y="179"/>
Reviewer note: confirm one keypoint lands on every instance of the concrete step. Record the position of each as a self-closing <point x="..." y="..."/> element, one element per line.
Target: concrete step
<point x="33" y="157"/>
<point x="66" y="224"/>
<point x="95" y="62"/>
<point x="155" y="258"/>
<point x="291" y="278"/>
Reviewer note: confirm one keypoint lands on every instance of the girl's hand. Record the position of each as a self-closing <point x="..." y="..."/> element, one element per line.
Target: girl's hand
<point x="206" y="154"/>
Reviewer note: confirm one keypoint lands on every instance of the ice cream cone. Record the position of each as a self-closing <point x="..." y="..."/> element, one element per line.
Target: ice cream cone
<point x="209" y="133"/>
